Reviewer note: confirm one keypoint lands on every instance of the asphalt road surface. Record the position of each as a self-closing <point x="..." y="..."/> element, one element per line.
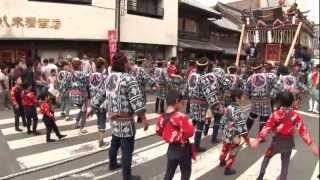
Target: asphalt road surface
<point x="29" y="157"/>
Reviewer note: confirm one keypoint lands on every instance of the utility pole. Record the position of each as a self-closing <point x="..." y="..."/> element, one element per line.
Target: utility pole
<point x="117" y="22"/>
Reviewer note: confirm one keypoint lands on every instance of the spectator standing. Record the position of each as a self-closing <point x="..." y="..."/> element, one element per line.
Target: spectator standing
<point x="16" y="100"/>
<point x="4" y="88"/>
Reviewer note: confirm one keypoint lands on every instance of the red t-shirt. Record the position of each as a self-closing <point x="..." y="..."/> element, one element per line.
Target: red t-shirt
<point x="177" y="129"/>
<point x="171" y="69"/>
<point x="29" y="98"/>
<point x="46" y="109"/>
<point x="284" y="122"/>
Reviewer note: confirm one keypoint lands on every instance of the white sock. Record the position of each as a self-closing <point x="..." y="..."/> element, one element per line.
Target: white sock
<point x="315" y="106"/>
<point x="310" y="104"/>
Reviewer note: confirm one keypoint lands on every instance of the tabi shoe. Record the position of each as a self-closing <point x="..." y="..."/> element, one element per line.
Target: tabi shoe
<point x="18" y="129"/>
<point x="229" y="172"/>
<point x="135" y="177"/>
<point x="51" y="140"/>
<point x="62" y="136"/>
<point x="114" y="167"/>
<point x="200" y="149"/>
<point x="36" y="133"/>
<point x="222" y="163"/>
<point x="83" y="131"/>
<point x="68" y="118"/>
<point x="63" y="114"/>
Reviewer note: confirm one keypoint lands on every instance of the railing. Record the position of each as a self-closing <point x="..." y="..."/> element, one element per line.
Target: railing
<point x="133" y="8"/>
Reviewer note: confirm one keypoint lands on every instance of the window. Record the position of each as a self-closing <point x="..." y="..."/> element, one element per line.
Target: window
<point x="150" y="8"/>
<point x="180" y="25"/>
<point x="191" y="26"/>
<point x="88" y="2"/>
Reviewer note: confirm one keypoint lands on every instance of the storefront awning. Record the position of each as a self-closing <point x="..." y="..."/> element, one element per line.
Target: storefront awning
<point x="189" y="44"/>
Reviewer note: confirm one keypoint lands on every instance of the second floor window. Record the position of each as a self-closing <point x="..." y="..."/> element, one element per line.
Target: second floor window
<point x="150" y="8"/>
<point x="191" y="26"/>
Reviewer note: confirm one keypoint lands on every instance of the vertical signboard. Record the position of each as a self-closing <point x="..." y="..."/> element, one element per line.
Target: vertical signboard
<point x="112" y="37"/>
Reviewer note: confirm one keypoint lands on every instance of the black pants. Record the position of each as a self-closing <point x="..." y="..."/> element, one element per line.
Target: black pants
<point x="216" y="126"/>
<point x="31" y="115"/>
<point x="50" y="125"/>
<point x="159" y="105"/>
<point x="127" y="147"/>
<point x="188" y="106"/>
<point x="19" y="112"/>
<point x="252" y="117"/>
<point x="198" y="134"/>
<point x="178" y="155"/>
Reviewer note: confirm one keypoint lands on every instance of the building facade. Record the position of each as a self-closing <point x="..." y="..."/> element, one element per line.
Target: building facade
<point x="56" y="28"/>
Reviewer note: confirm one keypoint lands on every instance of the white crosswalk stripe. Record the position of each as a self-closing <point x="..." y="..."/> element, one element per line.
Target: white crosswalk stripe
<point x="315" y="172"/>
<point x="272" y="171"/>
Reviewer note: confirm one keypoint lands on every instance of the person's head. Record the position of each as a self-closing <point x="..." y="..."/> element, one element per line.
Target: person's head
<point x="159" y="63"/>
<point x="26" y="86"/>
<point x="237" y="95"/>
<point x="286" y="99"/>
<point x="232" y="70"/>
<point x="18" y="80"/>
<point x="44" y="96"/>
<point x="2" y="67"/>
<point x="257" y="68"/>
<point x="100" y="63"/>
<point x="140" y="60"/>
<point x="69" y="58"/>
<point x="29" y="63"/>
<point x="173" y="60"/>
<point x="192" y="63"/>
<point x="84" y="57"/>
<point x="60" y="58"/>
<point x="296" y="67"/>
<point x="76" y="64"/>
<point x="51" y="60"/>
<point x="65" y="65"/>
<point x="174" y="99"/>
<point x="202" y="64"/>
<point x="120" y="63"/>
<point x="53" y="72"/>
<point x="283" y="70"/>
<point x="45" y="61"/>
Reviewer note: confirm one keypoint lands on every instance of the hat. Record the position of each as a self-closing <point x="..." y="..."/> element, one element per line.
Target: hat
<point x="230" y="68"/>
<point x="296" y="64"/>
<point x="204" y="61"/>
<point x="140" y="59"/>
<point x="160" y="61"/>
<point x="256" y="66"/>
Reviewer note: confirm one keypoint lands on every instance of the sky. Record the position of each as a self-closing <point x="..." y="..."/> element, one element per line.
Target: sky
<point x="312" y="5"/>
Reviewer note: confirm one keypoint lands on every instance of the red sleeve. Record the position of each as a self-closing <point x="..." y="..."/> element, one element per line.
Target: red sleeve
<point x="303" y="132"/>
<point x="32" y="97"/>
<point x="187" y="128"/>
<point x="13" y="96"/>
<point x="267" y="127"/>
<point x="46" y="110"/>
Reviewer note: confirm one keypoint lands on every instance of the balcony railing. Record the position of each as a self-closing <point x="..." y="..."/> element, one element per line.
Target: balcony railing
<point x="133" y="8"/>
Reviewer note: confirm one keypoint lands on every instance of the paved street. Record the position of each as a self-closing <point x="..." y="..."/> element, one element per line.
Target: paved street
<point x="78" y="157"/>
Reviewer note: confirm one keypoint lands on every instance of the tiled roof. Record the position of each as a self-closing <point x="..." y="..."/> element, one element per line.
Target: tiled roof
<point x="227" y="24"/>
<point x="198" y="5"/>
<point x="229" y="12"/>
<point x="244" y="4"/>
<point x="190" y="44"/>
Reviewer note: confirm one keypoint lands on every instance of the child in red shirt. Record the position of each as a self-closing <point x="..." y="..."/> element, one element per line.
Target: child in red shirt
<point x="48" y="117"/>
<point x="283" y="122"/>
<point x="175" y="128"/>
<point x="16" y="100"/>
<point x="29" y="102"/>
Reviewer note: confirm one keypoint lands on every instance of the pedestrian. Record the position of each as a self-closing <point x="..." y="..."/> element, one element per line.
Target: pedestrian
<point x="233" y="129"/>
<point x="235" y="83"/>
<point x="283" y="122"/>
<point x="125" y="100"/>
<point x="203" y="89"/>
<point x="161" y="79"/>
<point x="4" y="87"/>
<point x="79" y="86"/>
<point x="314" y="88"/>
<point x="63" y="80"/>
<point x="96" y="82"/>
<point x="259" y="90"/>
<point x="28" y="74"/>
<point x="50" y="67"/>
<point x="48" y="118"/>
<point x="16" y="100"/>
<point x="192" y="68"/>
<point x="53" y="92"/>
<point x="29" y="101"/>
<point x="174" y="127"/>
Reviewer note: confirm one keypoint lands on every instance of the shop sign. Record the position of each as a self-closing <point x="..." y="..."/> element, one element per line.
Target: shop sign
<point x="29" y="22"/>
<point x="112" y="37"/>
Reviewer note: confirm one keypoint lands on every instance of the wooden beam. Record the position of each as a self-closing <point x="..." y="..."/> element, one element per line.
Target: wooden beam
<point x="296" y="35"/>
<point x="240" y="45"/>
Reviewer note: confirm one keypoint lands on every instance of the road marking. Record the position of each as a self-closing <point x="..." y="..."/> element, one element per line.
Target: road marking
<point x="41" y="139"/>
<point x="308" y="114"/>
<point x="41" y="126"/>
<point x="205" y="162"/>
<point x="11" y="120"/>
<point x="71" y="152"/>
<point x="315" y="172"/>
<point x="141" y="158"/>
<point x="272" y="171"/>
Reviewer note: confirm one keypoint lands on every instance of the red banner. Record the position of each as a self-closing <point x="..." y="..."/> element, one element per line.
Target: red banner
<point x="112" y="37"/>
<point x="273" y="52"/>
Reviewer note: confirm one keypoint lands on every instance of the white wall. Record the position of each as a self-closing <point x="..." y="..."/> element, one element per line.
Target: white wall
<point x="78" y="21"/>
<point x="140" y="29"/>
